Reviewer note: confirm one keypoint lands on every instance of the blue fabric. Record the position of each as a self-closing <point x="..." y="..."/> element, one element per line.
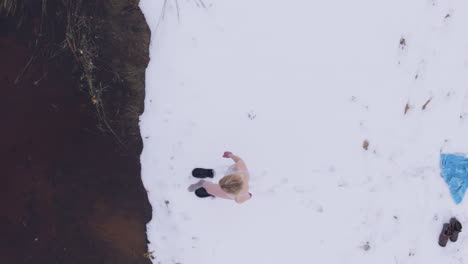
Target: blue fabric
<point x="454" y="170"/>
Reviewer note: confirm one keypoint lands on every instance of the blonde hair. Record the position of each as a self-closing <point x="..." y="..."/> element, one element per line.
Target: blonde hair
<point x="231" y="183"/>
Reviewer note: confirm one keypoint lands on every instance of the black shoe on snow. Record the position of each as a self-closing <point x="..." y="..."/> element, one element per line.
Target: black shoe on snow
<point x="203" y="173"/>
<point x="444" y="235"/>
<point x="456" y="227"/>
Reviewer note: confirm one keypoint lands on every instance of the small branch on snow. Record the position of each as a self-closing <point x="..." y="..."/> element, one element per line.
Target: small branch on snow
<point x="428" y="101"/>
<point x="407" y="107"/>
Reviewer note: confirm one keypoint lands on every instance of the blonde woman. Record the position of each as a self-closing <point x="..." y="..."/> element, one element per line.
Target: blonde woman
<point x="234" y="185"/>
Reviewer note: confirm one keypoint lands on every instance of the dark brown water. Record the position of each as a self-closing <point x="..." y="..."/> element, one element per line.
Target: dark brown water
<point x="68" y="192"/>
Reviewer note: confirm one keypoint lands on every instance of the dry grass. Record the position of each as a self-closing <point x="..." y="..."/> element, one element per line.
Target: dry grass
<point x="74" y="18"/>
<point x="10" y="6"/>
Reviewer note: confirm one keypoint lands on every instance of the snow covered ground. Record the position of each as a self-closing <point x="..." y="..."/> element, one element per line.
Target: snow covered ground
<point x="295" y="88"/>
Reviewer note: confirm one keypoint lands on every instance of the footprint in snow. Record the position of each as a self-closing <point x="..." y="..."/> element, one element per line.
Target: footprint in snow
<point x="464" y="110"/>
<point x="366" y="246"/>
<point x="319" y="209"/>
<point x="421" y="69"/>
<point x="354" y="99"/>
<point x="448" y="16"/>
<point x="252" y="115"/>
<point x="342" y="183"/>
<point x="167" y="114"/>
<point x="462" y="115"/>
<point x="194" y="42"/>
<point x="362" y="126"/>
<point x="432" y="2"/>
<point x="185" y="217"/>
<point x="312" y="205"/>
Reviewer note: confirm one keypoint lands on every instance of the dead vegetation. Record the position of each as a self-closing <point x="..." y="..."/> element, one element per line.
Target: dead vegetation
<point x="149" y="255"/>
<point x="407" y="108"/>
<point x="427" y="102"/>
<point x="62" y="29"/>
<point x="365" y="144"/>
<point x="80" y="38"/>
<point x="402" y="43"/>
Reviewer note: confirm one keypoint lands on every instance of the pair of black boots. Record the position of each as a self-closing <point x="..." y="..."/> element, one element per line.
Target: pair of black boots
<point x="450" y="231"/>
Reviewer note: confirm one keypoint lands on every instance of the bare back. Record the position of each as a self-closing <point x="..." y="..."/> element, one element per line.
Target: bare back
<point x="241" y="168"/>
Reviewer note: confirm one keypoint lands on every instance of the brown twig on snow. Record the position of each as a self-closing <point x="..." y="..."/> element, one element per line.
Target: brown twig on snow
<point x="428" y="101"/>
<point x="407" y="107"/>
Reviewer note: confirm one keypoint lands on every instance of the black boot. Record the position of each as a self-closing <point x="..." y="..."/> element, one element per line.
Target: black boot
<point x="444" y="235"/>
<point x="202" y="193"/>
<point x="203" y="173"/>
<point x="456" y="227"/>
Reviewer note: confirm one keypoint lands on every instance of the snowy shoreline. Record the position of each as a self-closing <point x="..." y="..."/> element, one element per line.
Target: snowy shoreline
<point x="297" y="89"/>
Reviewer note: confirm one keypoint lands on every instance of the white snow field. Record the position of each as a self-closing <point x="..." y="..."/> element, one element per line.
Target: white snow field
<point x="295" y="87"/>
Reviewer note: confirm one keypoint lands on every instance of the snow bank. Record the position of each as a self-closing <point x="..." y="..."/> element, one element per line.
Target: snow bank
<point x="295" y="88"/>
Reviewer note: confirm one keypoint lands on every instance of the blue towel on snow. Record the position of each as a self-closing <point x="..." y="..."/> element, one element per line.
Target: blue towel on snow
<point x="454" y="170"/>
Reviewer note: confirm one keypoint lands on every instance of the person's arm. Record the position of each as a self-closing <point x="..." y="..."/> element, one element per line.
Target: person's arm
<point x="234" y="158"/>
<point x="239" y="163"/>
